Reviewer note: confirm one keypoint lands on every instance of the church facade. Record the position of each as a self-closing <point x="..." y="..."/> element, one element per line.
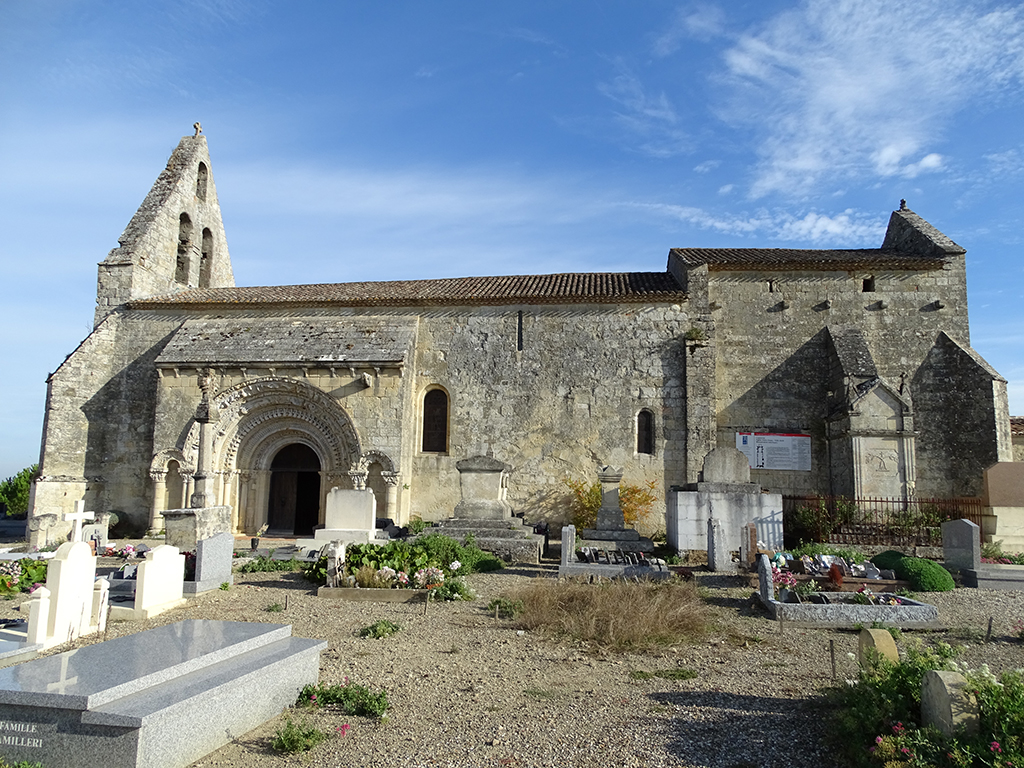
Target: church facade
<point x="837" y="371"/>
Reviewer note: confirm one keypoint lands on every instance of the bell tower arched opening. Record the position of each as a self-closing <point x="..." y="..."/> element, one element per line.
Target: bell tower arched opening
<point x="294" y="504"/>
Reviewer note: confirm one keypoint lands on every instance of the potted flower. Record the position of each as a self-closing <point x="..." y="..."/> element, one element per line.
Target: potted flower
<point x="784" y="581"/>
<point x="255" y="541"/>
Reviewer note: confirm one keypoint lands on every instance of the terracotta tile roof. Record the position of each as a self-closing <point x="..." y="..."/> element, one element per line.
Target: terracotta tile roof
<point x="1017" y="426"/>
<point x="518" y="289"/>
<point x="794" y="258"/>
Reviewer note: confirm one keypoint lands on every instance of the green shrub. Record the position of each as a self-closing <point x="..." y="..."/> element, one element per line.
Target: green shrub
<point x="888" y="560"/>
<point x="637" y="502"/>
<point x="263" y="564"/>
<point x="416" y="526"/>
<point x="924" y="575"/>
<point x="504" y="608"/>
<point x="380" y="629"/>
<point x="297" y="737"/>
<point x="350" y="698"/>
<point x="14" y="491"/>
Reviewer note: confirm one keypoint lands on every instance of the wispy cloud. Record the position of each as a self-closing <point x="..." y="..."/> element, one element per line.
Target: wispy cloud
<point x="849" y="228"/>
<point x="860" y="88"/>
<point x="700" y="21"/>
<point x="650" y="121"/>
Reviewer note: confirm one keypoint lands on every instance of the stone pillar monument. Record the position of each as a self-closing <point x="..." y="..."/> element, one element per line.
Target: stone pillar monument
<point x="611" y="525"/>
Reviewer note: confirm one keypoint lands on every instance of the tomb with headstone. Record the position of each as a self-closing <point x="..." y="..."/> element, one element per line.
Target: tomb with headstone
<point x="349" y="516"/>
<point x="610" y="529"/>
<point x="842" y="609"/>
<point x="580" y="559"/>
<point x="185" y="528"/>
<point x="72" y="604"/>
<point x="159" y="586"/>
<point x="161" y="698"/>
<point x="719" y="557"/>
<point x="485" y="513"/>
<point x="214" y="558"/>
<point x="724" y="492"/>
<point x="1003" y="501"/>
<point x="961" y="551"/>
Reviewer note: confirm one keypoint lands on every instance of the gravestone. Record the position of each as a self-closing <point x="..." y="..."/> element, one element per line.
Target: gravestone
<point x="876" y="642"/>
<point x="214" y="557"/>
<point x="349" y="516"/>
<point x="766" y="587"/>
<point x="748" y="545"/>
<point x="961" y="545"/>
<point x="482" y="480"/>
<point x="568" y="545"/>
<point x="719" y="558"/>
<point x="725" y="492"/>
<point x="67" y="607"/>
<point x="185" y="528"/>
<point x="77" y="520"/>
<point x="160" y="585"/>
<point x="335" y="552"/>
<point x="161" y="698"/>
<point x="947" y="702"/>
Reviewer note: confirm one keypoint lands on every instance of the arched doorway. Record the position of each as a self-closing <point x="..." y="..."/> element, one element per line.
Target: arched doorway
<point x="294" y="505"/>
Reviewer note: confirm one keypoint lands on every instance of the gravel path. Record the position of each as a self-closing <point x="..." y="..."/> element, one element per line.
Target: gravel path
<point x="468" y="690"/>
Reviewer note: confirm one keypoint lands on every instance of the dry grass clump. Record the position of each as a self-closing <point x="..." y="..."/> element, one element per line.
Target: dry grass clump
<point x="615" y="615"/>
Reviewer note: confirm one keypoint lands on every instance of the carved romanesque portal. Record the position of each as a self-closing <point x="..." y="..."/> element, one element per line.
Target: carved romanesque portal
<point x="294" y="505"/>
<point x="279" y="446"/>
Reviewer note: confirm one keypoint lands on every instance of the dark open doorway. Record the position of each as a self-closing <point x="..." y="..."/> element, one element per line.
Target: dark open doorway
<point x="294" y="491"/>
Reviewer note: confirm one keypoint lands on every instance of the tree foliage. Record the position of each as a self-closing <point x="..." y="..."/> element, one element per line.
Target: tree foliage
<point x="14" y="491"/>
<point x="636" y="502"/>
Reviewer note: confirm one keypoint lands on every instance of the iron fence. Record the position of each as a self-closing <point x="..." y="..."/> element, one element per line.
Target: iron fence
<point x="886" y="521"/>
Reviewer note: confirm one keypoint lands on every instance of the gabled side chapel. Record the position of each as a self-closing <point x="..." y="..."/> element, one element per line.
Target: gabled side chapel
<point x="191" y="391"/>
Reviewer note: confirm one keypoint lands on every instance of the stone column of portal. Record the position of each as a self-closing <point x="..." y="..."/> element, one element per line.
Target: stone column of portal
<point x="206" y="413"/>
<point x="391" y="478"/>
<point x="159" y="491"/>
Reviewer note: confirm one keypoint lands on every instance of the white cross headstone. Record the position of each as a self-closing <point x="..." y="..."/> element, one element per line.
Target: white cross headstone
<point x="77" y="519"/>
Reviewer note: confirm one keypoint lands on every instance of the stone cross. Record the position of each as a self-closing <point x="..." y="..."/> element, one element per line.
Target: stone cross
<point x="77" y="519"/>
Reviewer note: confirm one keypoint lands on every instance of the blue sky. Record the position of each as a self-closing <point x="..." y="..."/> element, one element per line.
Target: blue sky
<point x="355" y="141"/>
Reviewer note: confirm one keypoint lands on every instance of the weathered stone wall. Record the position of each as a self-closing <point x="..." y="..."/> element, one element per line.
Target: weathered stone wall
<point x="98" y="436"/>
<point x="773" y="363"/>
<point x="563" y="404"/>
<point x="145" y="262"/>
<point x="961" y="420"/>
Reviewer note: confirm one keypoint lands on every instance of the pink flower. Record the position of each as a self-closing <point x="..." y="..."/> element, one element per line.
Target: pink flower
<point x="343" y="729"/>
<point x="995" y="747"/>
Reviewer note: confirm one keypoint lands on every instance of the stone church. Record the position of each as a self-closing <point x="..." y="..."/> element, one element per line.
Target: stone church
<point x="837" y="372"/>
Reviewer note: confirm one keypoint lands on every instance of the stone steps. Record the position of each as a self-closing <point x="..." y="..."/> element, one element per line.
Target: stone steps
<point x="162" y="698"/>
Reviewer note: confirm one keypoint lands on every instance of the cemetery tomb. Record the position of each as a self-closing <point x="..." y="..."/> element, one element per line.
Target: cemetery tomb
<point x="159" y="585"/>
<point x="162" y="698"/>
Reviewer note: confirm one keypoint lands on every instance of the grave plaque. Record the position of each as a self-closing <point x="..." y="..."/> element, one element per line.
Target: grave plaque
<point x="162" y="698"/>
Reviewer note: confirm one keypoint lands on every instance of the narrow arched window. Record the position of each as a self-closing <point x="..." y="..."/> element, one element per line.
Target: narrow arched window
<point x="201" y="175"/>
<point x="435" y="421"/>
<point x="206" y="259"/>
<point x="645" y="432"/>
<point x="182" y="267"/>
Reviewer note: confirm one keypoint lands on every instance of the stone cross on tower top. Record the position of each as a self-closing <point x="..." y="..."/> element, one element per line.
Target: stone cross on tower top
<point x="198" y="127"/>
<point x="77" y="519"/>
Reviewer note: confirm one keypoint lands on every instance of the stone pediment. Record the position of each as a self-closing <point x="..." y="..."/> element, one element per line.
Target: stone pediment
<point x="878" y="408"/>
<point x="280" y="340"/>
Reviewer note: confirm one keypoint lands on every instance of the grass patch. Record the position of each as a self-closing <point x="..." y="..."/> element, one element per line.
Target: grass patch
<point x="380" y="629"/>
<point x="660" y="613"/>
<point x="274" y="608"/>
<point x="263" y="564"/>
<point x="665" y="674"/>
<point x="503" y="608"/>
<point x="296" y="736"/>
<point x="352" y="699"/>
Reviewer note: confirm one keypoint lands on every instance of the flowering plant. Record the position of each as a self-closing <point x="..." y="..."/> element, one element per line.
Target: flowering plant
<point x="783" y="578"/>
<point x="429" y="577"/>
<point x="10" y="573"/>
<point x="1018" y="628"/>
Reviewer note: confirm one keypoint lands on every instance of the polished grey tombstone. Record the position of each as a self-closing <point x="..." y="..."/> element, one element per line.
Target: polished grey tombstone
<point x="214" y="557"/>
<point x="162" y="698"/>
<point x="961" y="544"/>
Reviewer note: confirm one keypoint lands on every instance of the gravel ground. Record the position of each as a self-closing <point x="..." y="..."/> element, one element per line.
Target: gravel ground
<point x="468" y="690"/>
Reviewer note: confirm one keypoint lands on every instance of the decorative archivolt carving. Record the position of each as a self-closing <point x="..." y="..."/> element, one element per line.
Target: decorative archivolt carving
<point x="162" y="458"/>
<point x="254" y="412"/>
<point x="387" y="464"/>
